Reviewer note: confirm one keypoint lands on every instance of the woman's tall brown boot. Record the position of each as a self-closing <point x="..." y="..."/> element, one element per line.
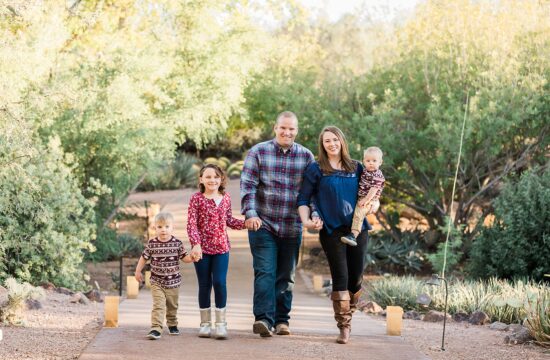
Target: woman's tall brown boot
<point x="354" y="300"/>
<point x="342" y="314"/>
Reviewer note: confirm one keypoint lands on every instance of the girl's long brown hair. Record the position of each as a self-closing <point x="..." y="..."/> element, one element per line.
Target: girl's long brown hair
<point x="348" y="165"/>
<point x="219" y="172"/>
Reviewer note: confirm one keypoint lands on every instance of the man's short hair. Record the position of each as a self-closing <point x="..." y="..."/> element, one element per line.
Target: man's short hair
<point x="286" y="114"/>
<point x="163" y="218"/>
<point x="373" y="150"/>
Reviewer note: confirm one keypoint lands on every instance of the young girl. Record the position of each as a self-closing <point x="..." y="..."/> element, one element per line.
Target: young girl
<point x="208" y="218"/>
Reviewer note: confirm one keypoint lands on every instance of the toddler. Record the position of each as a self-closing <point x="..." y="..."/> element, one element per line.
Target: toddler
<point x="370" y="187"/>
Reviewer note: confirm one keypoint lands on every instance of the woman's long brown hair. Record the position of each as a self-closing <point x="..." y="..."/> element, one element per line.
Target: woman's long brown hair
<point x="347" y="163"/>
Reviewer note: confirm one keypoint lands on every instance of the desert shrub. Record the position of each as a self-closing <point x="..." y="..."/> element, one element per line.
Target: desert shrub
<point x="538" y="318"/>
<point x="385" y="254"/>
<point x="517" y="243"/>
<point x="11" y="312"/>
<point x="501" y="300"/>
<point x="180" y="172"/>
<point x="110" y="246"/>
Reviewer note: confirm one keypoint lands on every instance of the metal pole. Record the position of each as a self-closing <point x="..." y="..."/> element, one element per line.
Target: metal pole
<point x="120" y="277"/>
<point x="444" y="316"/>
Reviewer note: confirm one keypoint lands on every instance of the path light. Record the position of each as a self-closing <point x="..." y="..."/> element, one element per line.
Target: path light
<point x="111" y="311"/>
<point x="435" y="280"/>
<point x="132" y="287"/>
<point x="394" y="320"/>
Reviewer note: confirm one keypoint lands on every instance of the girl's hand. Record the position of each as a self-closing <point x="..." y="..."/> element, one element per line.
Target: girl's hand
<point x="374" y="206"/>
<point x="196" y="253"/>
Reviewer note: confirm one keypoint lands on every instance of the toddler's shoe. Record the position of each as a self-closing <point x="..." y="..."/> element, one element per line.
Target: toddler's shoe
<point x="153" y="335"/>
<point x="173" y="330"/>
<point x="349" y="239"/>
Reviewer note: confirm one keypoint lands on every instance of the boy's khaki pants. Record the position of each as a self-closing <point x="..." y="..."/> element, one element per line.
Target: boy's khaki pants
<point x="165" y="302"/>
<point x="358" y="217"/>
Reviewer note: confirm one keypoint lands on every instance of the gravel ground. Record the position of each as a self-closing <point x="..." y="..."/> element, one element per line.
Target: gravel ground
<point x="465" y="341"/>
<point x="60" y="330"/>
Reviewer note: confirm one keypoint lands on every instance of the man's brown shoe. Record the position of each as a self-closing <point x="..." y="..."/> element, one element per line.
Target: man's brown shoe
<point x="261" y="327"/>
<point x="282" y="329"/>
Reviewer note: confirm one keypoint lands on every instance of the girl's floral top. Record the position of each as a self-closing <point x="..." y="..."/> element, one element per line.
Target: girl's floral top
<point x="207" y="223"/>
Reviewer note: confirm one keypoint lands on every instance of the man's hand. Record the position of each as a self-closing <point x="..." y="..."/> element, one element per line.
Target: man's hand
<point x="138" y="276"/>
<point x="253" y="223"/>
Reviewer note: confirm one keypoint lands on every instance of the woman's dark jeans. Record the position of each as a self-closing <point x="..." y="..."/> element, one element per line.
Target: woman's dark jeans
<point x="346" y="263"/>
<point x="212" y="271"/>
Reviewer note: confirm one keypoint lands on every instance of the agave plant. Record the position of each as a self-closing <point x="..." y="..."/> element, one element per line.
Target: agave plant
<point x="538" y="318"/>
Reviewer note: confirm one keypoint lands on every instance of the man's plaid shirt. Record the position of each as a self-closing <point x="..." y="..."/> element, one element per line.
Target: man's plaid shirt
<point x="270" y="182"/>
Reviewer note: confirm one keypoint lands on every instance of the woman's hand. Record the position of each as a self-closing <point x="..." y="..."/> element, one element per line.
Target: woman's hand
<point x="196" y="253"/>
<point x="314" y="223"/>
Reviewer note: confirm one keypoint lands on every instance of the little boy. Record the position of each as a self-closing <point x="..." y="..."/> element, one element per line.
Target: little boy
<point x="370" y="187"/>
<point x="165" y="251"/>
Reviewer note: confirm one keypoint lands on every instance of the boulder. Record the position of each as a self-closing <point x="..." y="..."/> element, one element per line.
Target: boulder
<point x="479" y="318"/>
<point x="514" y="327"/>
<point x="94" y="295"/>
<point x="520" y="337"/>
<point x="79" y="298"/>
<point x="461" y="316"/>
<point x="64" y="291"/>
<point x="33" y="304"/>
<point x="435" y="316"/>
<point x="413" y="315"/>
<point x="500" y="326"/>
<point x="48" y="286"/>
<point x="372" y="307"/>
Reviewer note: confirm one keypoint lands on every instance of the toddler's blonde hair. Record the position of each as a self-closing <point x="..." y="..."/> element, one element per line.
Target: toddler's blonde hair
<point x="163" y="218"/>
<point x="374" y="150"/>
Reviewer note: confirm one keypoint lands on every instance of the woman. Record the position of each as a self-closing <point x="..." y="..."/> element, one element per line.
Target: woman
<point x="331" y="184"/>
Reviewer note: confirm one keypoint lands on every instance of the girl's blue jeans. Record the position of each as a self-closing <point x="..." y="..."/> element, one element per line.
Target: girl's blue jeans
<point x="212" y="272"/>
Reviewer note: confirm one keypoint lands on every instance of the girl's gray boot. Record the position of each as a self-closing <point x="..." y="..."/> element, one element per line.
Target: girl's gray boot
<point x="221" y="325"/>
<point x="206" y="323"/>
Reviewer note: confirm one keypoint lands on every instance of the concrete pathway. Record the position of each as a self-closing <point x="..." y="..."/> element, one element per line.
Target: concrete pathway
<point x="312" y="323"/>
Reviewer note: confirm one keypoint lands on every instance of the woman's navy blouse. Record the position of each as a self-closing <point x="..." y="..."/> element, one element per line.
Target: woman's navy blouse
<point x="334" y="195"/>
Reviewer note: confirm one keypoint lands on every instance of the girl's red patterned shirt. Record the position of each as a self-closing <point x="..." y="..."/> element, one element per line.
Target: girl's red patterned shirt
<point x="207" y="223"/>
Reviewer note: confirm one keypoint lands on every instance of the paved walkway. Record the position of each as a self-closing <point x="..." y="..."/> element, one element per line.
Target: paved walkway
<point x="312" y="323"/>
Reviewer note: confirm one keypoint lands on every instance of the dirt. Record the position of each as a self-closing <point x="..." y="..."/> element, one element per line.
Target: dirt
<point x="60" y="330"/>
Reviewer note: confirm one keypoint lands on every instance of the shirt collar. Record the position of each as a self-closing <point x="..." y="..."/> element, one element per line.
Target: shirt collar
<point x="279" y="148"/>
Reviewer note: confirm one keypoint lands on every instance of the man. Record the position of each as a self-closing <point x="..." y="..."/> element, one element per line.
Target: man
<point x="270" y="181"/>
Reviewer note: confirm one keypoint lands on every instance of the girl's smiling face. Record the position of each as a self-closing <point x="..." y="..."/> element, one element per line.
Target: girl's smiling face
<point x="211" y="180"/>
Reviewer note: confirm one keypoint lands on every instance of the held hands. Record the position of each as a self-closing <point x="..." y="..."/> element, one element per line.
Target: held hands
<point x="196" y="253"/>
<point x="315" y="223"/>
<point x="253" y="223"/>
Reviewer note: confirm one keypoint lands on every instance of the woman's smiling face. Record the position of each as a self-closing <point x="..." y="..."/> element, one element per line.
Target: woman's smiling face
<point x="331" y="144"/>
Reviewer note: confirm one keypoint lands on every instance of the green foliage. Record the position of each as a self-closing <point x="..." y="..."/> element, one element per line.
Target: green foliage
<point x="538" y="318"/>
<point x="385" y="254"/>
<point x="11" y="312"/>
<point x="502" y="300"/>
<point x="453" y="254"/>
<point x="517" y="243"/>
<point x="180" y="172"/>
<point x="110" y="246"/>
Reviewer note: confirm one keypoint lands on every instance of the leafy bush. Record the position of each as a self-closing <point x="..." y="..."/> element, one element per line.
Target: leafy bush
<point x="502" y="300"/>
<point x="517" y="243"/>
<point x="46" y="224"/>
<point x="454" y="246"/>
<point x="11" y="312"/>
<point x="180" y="172"/>
<point x="386" y="254"/>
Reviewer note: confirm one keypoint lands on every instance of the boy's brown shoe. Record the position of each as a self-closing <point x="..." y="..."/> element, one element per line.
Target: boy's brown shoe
<point x="282" y="329"/>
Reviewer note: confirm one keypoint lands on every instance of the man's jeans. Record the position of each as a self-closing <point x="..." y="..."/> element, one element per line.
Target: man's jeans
<point x="274" y="262"/>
